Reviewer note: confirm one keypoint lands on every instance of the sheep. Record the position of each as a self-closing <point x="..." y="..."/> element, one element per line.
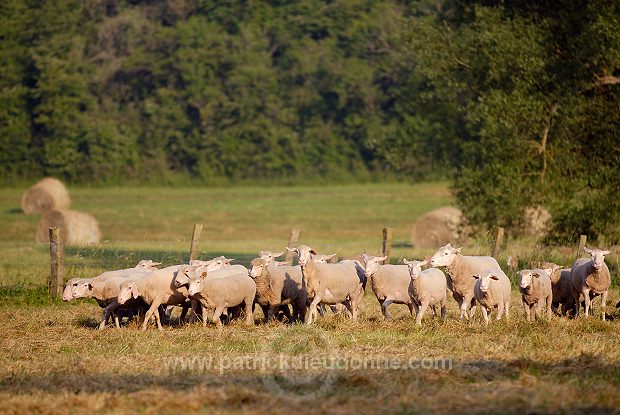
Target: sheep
<point x="277" y="286"/>
<point x="491" y="290"/>
<point x="342" y="283"/>
<point x="590" y="278"/>
<point x="536" y="292"/>
<point x="187" y="271"/>
<point x="221" y="293"/>
<point x="105" y="291"/>
<point x="561" y="287"/>
<point x="143" y="265"/>
<point x="428" y="288"/>
<point x="155" y="288"/>
<point x="460" y="269"/>
<point x="390" y="283"/>
<point x="269" y="256"/>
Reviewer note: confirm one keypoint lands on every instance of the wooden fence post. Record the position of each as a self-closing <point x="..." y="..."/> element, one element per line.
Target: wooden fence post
<point x="582" y="245"/>
<point x="57" y="263"/>
<point x="193" y="250"/>
<point x="499" y="240"/>
<point x="386" y="246"/>
<point x="292" y="242"/>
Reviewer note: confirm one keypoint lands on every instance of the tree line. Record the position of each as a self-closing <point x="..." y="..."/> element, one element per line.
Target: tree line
<point x="516" y="101"/>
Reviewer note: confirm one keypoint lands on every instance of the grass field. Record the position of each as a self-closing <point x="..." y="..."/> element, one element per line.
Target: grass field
<point x="53" y="360"/>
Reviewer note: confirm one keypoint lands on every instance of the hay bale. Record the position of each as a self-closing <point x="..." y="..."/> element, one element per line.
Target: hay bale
<point x="536" y="221"/>
<point x="46" y="195"/>
<point x="438" y="227"/>
<point x="77" y="228"/>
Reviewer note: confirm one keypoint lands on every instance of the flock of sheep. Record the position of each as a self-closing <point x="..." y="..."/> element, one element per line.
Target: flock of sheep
<point x="222" y="291"/>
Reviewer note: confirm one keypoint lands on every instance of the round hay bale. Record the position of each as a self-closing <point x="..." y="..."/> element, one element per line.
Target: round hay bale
<point x="438" y="227"/>
<point x="46" y="195"/>
<point x="76" y="228"/>
<point x="536" y="221"/>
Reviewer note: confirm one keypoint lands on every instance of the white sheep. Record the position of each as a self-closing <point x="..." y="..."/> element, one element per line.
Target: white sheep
<point x="155" y="288"/>
<point x="341" y="283"/>
<point x="428" y="288"/>
<point x="222" y="293"/>
<point x="591" y="278"/>
<point x="492" y="290"/>
<point x="390" y="283"/>
<point x="143" y="265"/>
<point x="277" y="286"/>
<point x="460" y="269"/>
<point x="105" y="292"/>
<point x="536" y="292"/>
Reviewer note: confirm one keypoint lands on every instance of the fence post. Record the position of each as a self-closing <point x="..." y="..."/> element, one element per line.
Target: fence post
<point x="582" y="245"/>
<point x="193" y="250"/>
<point x="499" y="240"/>
<point x="57" y="263"/>
<point x="386" y="246"/>
<point x="292" y="243"/>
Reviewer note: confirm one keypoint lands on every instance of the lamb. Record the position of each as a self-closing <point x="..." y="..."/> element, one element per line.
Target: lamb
<point x="561" y="287"/>
<point x="390" y="283"/>
<point x="428" y="288"/>
<point x="143" y="265"/>
<point x="590" y="278"/>
<point x="341" y="283"/>
<point x="222" y="293"/>
<point x="460" y="270"/>
<point x="155" y="288"/>
<point x="277" y="286"/>
<point x="491" y="290"/>
<point x="536" y="292"/>
<point x="269" y="256"/>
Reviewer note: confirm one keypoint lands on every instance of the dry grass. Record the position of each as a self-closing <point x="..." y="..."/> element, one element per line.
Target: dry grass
<point x="53" y="360"/>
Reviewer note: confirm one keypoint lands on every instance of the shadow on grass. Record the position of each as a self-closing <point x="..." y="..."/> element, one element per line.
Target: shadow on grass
<point x="87" y="322"/>
<point x="14" y="211"/>
<point x="587" y="368"/>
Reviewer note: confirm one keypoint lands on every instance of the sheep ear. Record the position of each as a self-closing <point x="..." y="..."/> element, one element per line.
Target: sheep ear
<point x="381" y="258"/>
<point x="281" y="263"/>
<point x="278" y="254"/>
<point x="535" y="274"/>
<point x="421" y="264"/>
<point x="291" y="250"/>
<point x="328" y="257"/>
<point x="458" y="250"/>
<point x="588" y="251"/>
<point x="313" y="252"/>
<point x="606" y="252"/>
<point x="365" y="257"/>
<point x="90" y="287"/>
<point x="134" y="292"/>
<point x="494" y="277"/>
<point x="475" y="276"/>
<point x="203" y="275"/>
<point x="405" y="261"/>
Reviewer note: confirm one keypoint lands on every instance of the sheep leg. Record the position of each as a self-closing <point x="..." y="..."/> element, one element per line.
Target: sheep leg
<point x="217" y="314"/>
<point x="249" y="316"/>
<point x="116" y="320"/>
<point x="384" y="307"/>
<point x="423" y="307"/>
<point x="152" y="309"/>
<point x="507" y="310"/>
<point x="603" y="302"/>
<point x="485" y="314"/>
<point x="461" y="304"/>
<point x="410" y="305"/>
<point x="107" y="312"/>
<point x="586" y="296"/>
<point x="576" y="298"/>
<point x="158" y="320"/>
<point x="500" y="311"/>
<point x="347" y="303"/>
<point x="526" y="308"/>
<point x="472" y="308"/>
<point x="443" y="310"/>
<point x="205" y="313"/>
<point x="321" y="310"/>
<point x="538" y="309"/>
<point x="354" y="308"/>
<point x="333" y="308"/>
